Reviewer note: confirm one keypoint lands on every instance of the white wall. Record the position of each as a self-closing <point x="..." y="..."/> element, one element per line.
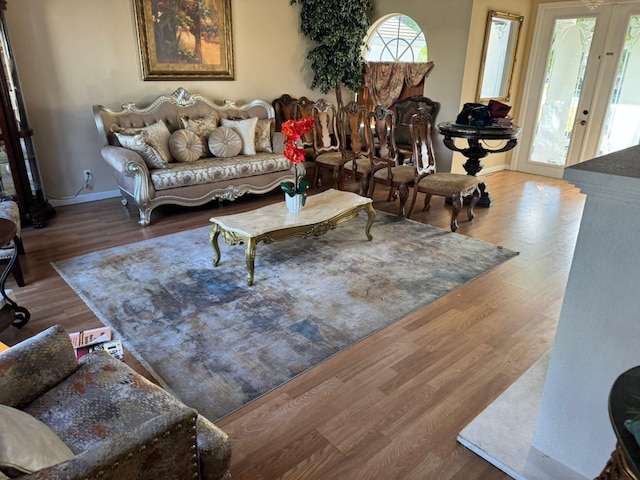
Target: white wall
<point x="446" y="28"/>
<point x="72" y="54"/>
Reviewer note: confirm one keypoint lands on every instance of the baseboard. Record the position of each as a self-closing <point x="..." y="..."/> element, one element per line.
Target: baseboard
<point x="88" y="197"/>
<point x="496" y="168"/>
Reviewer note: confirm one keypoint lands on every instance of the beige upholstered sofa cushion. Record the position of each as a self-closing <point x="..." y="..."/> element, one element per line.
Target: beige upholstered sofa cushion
<point x="247" y="131"/>
<point x="224" y="142"/>
<point x="264" y="133"/>
<point x="202" y="127"/>
<point x="221" y="169"/>
<point x="151" y="142"/>
<point x="185" y="146"/>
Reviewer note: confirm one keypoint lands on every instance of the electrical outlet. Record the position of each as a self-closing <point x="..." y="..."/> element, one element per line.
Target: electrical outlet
<point x="87" y="175"/>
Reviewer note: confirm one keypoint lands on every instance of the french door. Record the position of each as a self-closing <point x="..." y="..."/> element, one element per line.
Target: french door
<point x="582" y="94"/>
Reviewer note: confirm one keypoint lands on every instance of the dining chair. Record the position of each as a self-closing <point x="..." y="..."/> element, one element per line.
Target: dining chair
<point x="427" y="180"/>
<point x="356" y="163"/>
<point x="383" y="157"/>
<point x="326" y="141"/>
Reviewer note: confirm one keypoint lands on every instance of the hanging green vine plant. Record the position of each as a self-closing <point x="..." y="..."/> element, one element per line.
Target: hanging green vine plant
<point x="338" y="29"/>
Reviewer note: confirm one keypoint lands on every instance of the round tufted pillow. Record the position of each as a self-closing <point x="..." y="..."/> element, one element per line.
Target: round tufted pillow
<point x="185" y="146"/>
<point x="225" y="142"/>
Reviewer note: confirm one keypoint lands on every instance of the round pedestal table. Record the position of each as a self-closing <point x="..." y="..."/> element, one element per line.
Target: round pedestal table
<point x="479" y="146"/>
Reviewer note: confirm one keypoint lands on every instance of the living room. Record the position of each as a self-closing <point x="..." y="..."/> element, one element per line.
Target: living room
<point x="74" y="54"/>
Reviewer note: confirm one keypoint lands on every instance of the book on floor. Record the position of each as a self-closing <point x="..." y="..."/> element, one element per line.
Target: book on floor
<point x="90" y="337"/>
<point x="96" y="338"/>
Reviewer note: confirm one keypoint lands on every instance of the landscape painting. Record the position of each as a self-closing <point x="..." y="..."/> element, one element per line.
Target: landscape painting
<point x="185" y="39"/>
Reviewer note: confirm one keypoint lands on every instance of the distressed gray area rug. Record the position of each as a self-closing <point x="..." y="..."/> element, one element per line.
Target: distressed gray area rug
<point x="217" y="343"/>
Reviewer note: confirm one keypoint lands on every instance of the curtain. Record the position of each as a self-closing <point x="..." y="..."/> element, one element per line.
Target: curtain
<point x="385" y="79"/>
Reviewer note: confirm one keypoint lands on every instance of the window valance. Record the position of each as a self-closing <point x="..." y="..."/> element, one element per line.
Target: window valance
<point x="384" y="80"/>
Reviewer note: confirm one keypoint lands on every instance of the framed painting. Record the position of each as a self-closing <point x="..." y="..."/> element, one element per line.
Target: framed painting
<point x="185" y="39"/>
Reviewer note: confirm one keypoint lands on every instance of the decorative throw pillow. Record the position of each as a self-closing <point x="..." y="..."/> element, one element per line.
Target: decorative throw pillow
<point x="151" y="142"/>
<point x="225" y="142"/>
<point x="202" y="127"/>
<point x="247" y="131"/>
<point x="185" y="146"/>
<point x="28" y="445"/>
<point x="264" y="132"/>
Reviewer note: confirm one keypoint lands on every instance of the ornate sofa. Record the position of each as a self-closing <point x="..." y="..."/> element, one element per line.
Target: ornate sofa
<point x="158" y="179"/>
<point x="97" y="418"/>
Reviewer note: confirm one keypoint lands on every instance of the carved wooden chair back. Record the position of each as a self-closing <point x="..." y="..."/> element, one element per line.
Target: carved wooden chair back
<point x="283" y="107"/>
<point x="380" y="138"/>
<point x="302" y="109"/>
<point x="351" y="125"/>
<point x="422" y="146"/>
<point x="325" y="128"/>
<point x="351" y="121"/>
<point x="428" y="181"/>
<point x="404" y="110"/>
<point x="326" y="141"/>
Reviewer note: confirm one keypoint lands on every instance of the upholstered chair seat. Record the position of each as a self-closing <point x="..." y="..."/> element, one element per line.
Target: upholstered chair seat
<point x="399" y="174"/>
<point x="449" y="183"/>
<point x="331" y="158"/>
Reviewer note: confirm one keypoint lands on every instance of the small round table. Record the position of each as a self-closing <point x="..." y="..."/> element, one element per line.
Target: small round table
<point x="477" y="147"/>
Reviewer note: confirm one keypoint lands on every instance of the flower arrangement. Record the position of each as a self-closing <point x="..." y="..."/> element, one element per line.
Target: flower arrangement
<point x="294" y="130"/>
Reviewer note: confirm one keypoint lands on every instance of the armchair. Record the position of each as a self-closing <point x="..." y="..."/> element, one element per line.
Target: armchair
<point x="117" y="424"/>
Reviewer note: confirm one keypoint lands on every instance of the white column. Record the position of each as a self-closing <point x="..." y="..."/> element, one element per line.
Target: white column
<point x="598" y="335"/>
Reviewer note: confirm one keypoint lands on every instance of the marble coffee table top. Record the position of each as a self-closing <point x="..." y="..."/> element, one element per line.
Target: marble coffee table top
<point x="318" y="208"/>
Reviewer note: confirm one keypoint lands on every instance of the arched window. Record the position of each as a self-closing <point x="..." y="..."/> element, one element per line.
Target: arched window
<point x="396" y="38"/>
<point x="397" y="61"/>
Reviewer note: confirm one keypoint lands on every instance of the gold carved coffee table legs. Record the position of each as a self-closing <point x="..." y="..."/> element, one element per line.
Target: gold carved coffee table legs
<point x="283" y="233"/>
<point x="234" y="238"/>
<point x="371" y="216"/>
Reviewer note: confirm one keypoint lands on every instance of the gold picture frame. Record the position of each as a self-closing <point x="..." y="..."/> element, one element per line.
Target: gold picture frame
<point x="185" y="39"/>
<point x="499" y="55"/>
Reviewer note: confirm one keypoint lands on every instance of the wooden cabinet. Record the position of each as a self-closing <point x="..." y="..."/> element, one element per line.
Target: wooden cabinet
<point x="19" y="173"/>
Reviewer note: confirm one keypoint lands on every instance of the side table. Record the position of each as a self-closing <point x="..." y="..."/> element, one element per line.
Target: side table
<point x="10" y="313"/>
<point x="477" y="148"/>
<point x="624" y="404"/>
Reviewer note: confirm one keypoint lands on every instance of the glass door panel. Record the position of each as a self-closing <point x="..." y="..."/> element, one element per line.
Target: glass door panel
<point x="563" y="83"/>
<point x="621" y="127"/>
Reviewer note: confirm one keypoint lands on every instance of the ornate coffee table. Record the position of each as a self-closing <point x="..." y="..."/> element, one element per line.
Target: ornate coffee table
<point x="322" y="212"/>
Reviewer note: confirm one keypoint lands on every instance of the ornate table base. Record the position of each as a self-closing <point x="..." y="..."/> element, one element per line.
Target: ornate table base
<point x="477" y="148"/>
<point x="273" y="223"/>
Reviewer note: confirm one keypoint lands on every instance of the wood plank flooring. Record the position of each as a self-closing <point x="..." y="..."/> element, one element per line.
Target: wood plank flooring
<point x="390" y="406"/>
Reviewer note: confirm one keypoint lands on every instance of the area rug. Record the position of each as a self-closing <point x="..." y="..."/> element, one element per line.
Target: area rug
<point x="217" y="343"/>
